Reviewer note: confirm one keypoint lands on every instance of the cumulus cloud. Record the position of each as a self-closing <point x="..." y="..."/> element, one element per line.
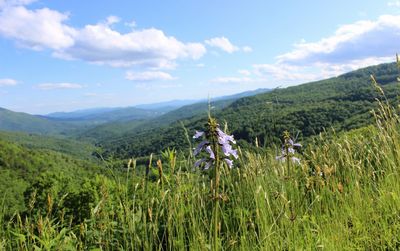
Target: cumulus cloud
<point x="148" y="76"/>
<point x="53" y="86"/>
<point x="98" y="43"/>
<point x="222" y="43"/>
<point x="8" y="82"/>
<point x="37" y="29"/>
<point x="357" y="41"/>
<point x="351" y="47"/>
<point x="149" y="47"/>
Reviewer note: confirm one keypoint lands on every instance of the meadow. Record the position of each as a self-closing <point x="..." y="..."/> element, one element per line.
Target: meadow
<point x="343" y="195"/>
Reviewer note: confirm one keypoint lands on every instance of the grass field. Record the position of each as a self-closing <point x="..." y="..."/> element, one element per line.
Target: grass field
<point x="344" y="195"/>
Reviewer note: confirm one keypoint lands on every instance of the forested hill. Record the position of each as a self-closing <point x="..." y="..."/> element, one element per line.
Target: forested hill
<point x="20" y="167"/>
<point x="341" y="102"/>
<point x="118" y="129"/>
<point x="23" y="122"/>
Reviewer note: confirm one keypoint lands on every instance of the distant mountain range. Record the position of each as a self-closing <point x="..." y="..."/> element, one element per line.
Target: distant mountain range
<point x="143" y="111"/>
<point x="70" y="123"/>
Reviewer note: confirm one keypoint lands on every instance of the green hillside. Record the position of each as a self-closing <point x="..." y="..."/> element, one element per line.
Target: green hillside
<point x="342" y="103"/>
<point x="340" y="192"/>
<point x="23" y="122"/>
<point x="21" y="167"/>
<point x="75" y="148"/>
<point x="119" y="129"/>
<point x="343" y="195"/>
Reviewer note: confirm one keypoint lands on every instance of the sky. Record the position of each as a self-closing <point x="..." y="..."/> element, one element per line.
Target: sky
<point x="70" y="55"/>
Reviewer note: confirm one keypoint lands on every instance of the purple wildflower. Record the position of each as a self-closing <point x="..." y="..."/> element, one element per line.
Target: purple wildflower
<point x="198" y="162"/>
<point x="221" y="140"/>
<point x="200" y="147"/>
<point x="283" y="159"/>
<point x="208" y="164"/>
<point x="210" y="151"/>
<point x="198" y="134"/>
<point x="229" y="162"/>
<point x="288" y="150"/>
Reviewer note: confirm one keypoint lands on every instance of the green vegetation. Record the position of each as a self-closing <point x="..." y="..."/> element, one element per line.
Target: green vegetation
<point x="342" y="195"/>
<point x="77" y="149"/>
<point x="21" y="167"/>
<point x="23" y="122"/>
<point x="118" y="131"/>
<point x="342" y="103"/>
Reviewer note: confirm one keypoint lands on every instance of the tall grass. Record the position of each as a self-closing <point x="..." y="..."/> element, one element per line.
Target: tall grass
<point x="345" y="195"/>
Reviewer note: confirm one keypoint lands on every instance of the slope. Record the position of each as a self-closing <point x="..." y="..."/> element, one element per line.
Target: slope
<point x="118" y="129"/>
<point x="19" y="121"/>
<point x="342" y="103"/>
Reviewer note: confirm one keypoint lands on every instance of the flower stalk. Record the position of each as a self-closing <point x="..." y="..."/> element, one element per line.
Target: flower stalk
<point x="217" y="146"/>
<point x="288" y="152"/>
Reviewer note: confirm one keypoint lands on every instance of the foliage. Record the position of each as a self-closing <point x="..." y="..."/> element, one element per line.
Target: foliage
<point x="343" y="195"/>
<point x="21" y="168"/>
<point x="342" y="103"/>
<point x="77" y="149"/>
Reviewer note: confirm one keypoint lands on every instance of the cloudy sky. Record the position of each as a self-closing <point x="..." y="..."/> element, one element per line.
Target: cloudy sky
<point x="71" y="54"/>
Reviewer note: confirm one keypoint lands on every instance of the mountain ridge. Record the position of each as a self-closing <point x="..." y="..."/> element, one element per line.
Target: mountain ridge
<point x="343" y="103"/>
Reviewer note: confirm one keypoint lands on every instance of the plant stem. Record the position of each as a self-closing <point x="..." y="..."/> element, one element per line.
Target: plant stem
<point x="216" y="195"/>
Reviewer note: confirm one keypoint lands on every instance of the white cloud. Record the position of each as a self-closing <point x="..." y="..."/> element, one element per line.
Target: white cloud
<point x="98" y="43"/>
<point x="8" y="82"/>
<point x="112" y="20"/>
<point x="53" y="86"/>
<point x="283" y="72"/>
<point x="222" y="43"/>
<point x="357" y="41"/>
<point x="394" y="4"/>
<point x="247" y="49"/>
<point x="148" y="76"/>
<point x="149" y="47"/>
<point x="8" y="3"/>
<point x="236" y="80"/>
<point x="351" y="47"/>
<point x="310" y="72"/>
<point x="331" y="70"/>
<point x="38" y="29"/>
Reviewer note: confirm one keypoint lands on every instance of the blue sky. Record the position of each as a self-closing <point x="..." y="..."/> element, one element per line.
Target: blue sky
<point x="68" y="55"/>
